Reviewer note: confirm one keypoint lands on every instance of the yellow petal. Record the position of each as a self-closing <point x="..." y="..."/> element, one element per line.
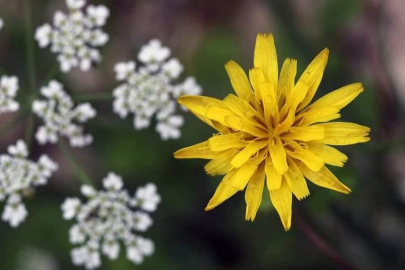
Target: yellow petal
<point x="225" y="142"/>
<point x="200" y="150"/>
<point x="278" y="156"/>
<point x="221" y="164"/>
<point x="305" y="133"/>
<point x="295" y="96"/>
<point x="243" y="175"/>
<point x="296" y="181"/>
<point x="324" y="178"/>
<point x="282" y="201"/>
<point x="233" y="182"/>
<point x="253" y="194"/>
<point x="273" y="178"/>
<point x="223" y="192"/>
<point x="256" y="79"/>
<point x="286" y="124"/>
<point x="342" y="133"/>
<point x="295" y="150"/>
<point x="265" y="58"/>
<point x="199" y="105"/>
<point x="287" y="79"/>
<point x="218" y="114"/>
<point x="312" y="76"/>
<point x="246" y="126"/>
<point x="340" y="97"/>
<point x="270" y="107"/>
<point x="239" y="80"/>
<point x="241" y="107"/>
<point x="328" y="154"/>
<point x="318" y="115"/>
<point x="244" y="155"/>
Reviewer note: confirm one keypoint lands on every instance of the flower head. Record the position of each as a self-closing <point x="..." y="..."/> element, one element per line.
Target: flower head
<point x="59" y="114"/>
<point x="269" y="132"/>
<point x="149" y="90"/>
<point x="18" y="175"/>
<point x="75" y="37"/>
<point x="108" y="218"/>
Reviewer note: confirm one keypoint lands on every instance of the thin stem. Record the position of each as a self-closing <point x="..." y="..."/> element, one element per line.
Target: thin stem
<point x="30" y="54"/>
<point x="320" y="243"/>
<point x="30" y="46"/>
<point x="83" y="177"/>
<point x="94" y="97"/>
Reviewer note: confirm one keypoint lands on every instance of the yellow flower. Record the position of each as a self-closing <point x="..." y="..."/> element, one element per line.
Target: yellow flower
<point x="268" y="131"/>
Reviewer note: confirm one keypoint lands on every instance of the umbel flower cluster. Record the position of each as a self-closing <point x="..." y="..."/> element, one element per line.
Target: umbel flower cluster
<point x="58" y="113"/>
<point x="8" y="91"/>
<point x="269" y="132"/>
<point x="108" y="218"/>
<point x="148" y="90"/>
<point x="19" y="175"/>
<point x="75" y="37"/>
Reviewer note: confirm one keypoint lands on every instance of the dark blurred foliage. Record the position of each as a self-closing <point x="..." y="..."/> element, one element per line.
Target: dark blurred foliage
<point x="364" y="230"/>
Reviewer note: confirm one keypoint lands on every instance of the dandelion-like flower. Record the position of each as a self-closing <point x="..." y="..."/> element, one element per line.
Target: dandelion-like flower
<point x="18" y="175"/>
<point x="58" y="113"/>
<point x="75" y="37"/>
<point x="8" y="91"/>
<point x="149" y="90"/>
<point x="108" y="218"/>
<point x="270" y="132"/>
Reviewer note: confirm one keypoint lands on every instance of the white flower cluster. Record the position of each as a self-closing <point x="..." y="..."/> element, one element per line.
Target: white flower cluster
<point x="8" y="91"/>
<point x="107" y="218"/>
<point x="1" y="23"/>
<point x="19" y="175"/>
<point x="58" y="113"/>
<point x="149" y="90"/>
<point x="75" y="36"/>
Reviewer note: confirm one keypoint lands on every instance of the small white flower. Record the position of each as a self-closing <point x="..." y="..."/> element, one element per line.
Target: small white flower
<point x="153" y="53"/>
<point x="70" y="208"/>
<point x="147" y="197"/>
<point x="105" y="220"/>
<point x="59" y="115"/>
<point x="124" y="70"/>
<point x="111" y="249"/>
<point x="8" y="91"/>
<point x="75" y="4"/>
<point x="88" y="191"/>
<point x="19" y="149"/>
<point x="98" y="14"/>
<point x="172" y="68"/>
<point x="113" y="182"/>
<point x="14" y="212"/>
<point x="168" y="128"/>
<point x="43" y="35"/>
<point x="76" y="235"/>
<point x="76" y="36"/>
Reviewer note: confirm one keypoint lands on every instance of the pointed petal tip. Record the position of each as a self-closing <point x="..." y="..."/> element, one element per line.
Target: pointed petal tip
<point x="304" y="197"/>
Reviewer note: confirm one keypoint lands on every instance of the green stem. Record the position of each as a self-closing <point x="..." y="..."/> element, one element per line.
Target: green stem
<point x="94" y="97"/>
<point x="30" y="54"/>
<point x="83" y="177"/>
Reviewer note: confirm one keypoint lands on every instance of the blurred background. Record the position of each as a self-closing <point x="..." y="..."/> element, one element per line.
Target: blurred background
<point x="364" y="230"/>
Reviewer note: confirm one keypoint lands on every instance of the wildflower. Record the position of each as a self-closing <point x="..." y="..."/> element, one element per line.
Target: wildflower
<point x="58" y="113"/>
<point x="269" y="131"/>
<point x="108" y="218"/>
<point x="149" y="91"/>
<point x="18" y="175"/>
<point x="75" y="37"/>
<point x="8" y="91"/>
